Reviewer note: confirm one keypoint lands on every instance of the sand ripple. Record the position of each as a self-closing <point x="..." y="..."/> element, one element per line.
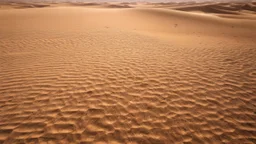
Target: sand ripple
<point x="116" y="86"/>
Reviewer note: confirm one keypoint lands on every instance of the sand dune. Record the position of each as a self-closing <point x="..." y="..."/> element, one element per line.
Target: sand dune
<point x="209" y="9"/>
<point x="22" y="5"/>
<point x="32" y="6"/>
<point x="118" y="6"/>
<point x="88" y="73"/>
<point x="220" y="9"/>
<point x="224" y="9"/>
<point x="227" y="10"/>
<point x="103" y="5"/>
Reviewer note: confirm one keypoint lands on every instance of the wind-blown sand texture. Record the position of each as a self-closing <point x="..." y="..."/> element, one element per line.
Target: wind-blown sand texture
<point x="127" y="73"/>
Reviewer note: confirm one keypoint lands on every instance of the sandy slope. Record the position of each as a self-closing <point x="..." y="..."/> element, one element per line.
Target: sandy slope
<point x="110" y="74"/>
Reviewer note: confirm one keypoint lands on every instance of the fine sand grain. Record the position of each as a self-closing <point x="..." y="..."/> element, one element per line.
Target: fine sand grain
<point x="133" y="73"/>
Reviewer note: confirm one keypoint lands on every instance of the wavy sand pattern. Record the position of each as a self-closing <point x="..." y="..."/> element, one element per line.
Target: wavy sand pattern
<point x="115" y="75"/>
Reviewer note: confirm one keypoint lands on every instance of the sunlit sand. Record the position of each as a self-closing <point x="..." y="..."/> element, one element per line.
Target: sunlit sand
<point x="132" y="73"/>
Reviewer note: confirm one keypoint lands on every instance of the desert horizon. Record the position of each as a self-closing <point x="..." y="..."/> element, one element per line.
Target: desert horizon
<point x="127" y="72"/>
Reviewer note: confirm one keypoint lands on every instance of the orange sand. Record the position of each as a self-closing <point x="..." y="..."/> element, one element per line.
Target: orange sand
<point x="127" y="73"/>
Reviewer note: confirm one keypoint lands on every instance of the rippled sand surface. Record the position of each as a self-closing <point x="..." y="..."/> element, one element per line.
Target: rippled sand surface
<point x="126" y="73"/>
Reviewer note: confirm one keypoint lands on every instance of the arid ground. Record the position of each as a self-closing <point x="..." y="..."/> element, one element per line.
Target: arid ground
<point x="127" y="73"/>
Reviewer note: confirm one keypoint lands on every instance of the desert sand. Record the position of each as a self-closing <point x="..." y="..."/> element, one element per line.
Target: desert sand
<point x="134" y="73"/>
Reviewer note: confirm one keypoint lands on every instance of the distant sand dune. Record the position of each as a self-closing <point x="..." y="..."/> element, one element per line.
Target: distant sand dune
<point x="127" y="73"/>
<point x="32" y="6"/>
<point x="250" y="7"/>
<point x="209" y="9"/>
<point x="222" y="8"/>
<point x="85" y="4"/>
<point x="23" y="5"/>
<point x="101" y="5"/>
<point x="214" y="8"/>
<point x="118" y="6"/>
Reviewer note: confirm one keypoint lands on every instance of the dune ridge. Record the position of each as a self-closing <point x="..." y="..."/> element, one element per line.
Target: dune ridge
<point x="89" y="73"/>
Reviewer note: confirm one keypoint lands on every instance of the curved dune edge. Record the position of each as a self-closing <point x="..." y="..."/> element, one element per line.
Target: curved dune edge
<point x="71" y="74"/>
